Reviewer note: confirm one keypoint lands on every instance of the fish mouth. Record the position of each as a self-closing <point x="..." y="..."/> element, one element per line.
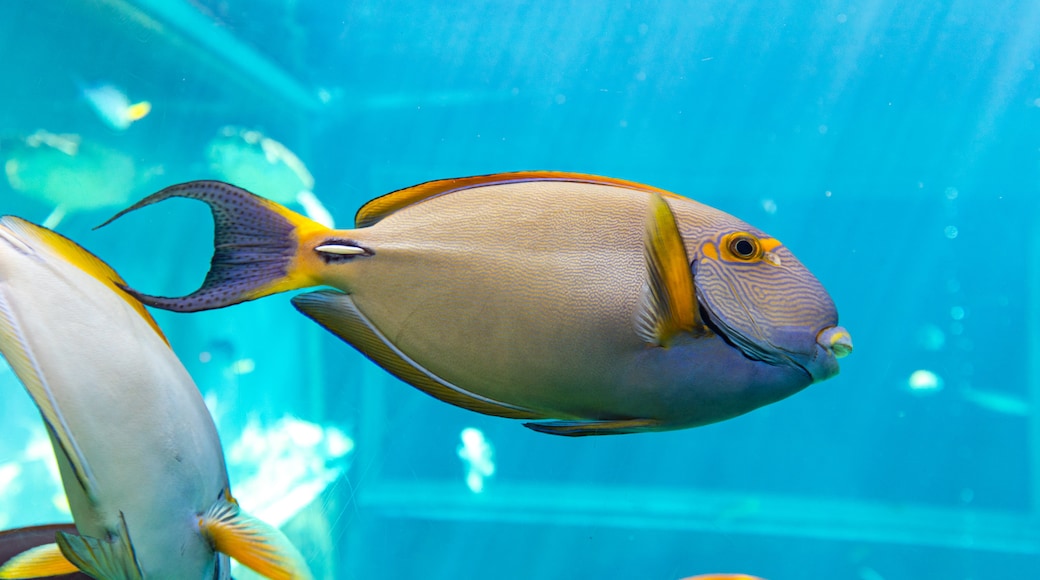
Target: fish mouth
<point x="819" y="362"/>
<point x="835" y="339"/>
<point x="832" y="343"/>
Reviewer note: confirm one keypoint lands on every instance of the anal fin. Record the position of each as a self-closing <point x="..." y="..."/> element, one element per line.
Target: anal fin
<point x="585" y="428"/>
<point x="252" y="542"/>
<point x="41" y="561"/>
<point x="337" y="312"/>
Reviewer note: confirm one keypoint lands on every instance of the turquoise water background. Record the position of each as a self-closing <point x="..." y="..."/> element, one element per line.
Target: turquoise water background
<point x="894" y="147"/>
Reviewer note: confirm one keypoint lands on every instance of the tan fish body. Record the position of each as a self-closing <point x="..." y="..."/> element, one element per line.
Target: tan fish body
<point x="606" y="305"/>
<point x="138" y="452"/>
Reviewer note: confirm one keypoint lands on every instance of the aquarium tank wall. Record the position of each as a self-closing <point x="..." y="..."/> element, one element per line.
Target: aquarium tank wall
<point x="894" y="147"/>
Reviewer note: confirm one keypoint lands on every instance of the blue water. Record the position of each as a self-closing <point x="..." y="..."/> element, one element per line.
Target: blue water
<point x="893" y="146"/>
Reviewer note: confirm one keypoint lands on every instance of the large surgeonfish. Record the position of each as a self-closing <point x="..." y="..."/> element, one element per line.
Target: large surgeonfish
<point x="588" y="304"/>
<point x="138" y="452"/>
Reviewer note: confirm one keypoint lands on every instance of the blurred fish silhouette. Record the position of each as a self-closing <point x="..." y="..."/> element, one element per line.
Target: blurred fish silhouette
<point x="267" y="168"/>
<point x="607" y="305"/>
<point x="14" y="542"/>
<point x="477" y="457"/>
<point x="113" y="106"/>
<point x="997" y="401"/>
<point x="70" y="174"/>
<point x="139" y="455"/>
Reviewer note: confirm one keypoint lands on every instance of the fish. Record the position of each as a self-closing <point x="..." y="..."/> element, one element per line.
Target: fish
<point x="16" y="541"/>
<point x="113" y="107"/>
<point x="266" y="167"/>
<point x="585" y="305"/>
<point x="997" y="401"/>
<point x="723" y="577"/>
<point x="70" y="174"/>
<point x="139" y="455"/>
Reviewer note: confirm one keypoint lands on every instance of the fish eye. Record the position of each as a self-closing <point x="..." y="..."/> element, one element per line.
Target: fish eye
<point x="744" y="247"/>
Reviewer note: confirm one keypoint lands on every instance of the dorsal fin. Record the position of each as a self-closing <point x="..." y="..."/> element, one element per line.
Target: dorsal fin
<point x="382" y="206"/>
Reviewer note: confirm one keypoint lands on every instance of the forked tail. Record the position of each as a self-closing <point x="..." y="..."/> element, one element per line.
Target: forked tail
<point x="257" y="247"/>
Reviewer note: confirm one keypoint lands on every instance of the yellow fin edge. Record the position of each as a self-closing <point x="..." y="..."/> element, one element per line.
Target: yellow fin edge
<point x="252" y="542"/>
<point x="82" y="259"/>
<point x="382" y="206"/>
<point x="41" y="561"/>
<point x="671" y="303"/>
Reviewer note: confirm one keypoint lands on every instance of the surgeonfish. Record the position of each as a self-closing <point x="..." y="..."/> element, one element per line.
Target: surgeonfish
<point x="16" y="541"/>
<point x="113" y="106"/>
<point x="138" y="453"/>
<point x="586" y="305"/>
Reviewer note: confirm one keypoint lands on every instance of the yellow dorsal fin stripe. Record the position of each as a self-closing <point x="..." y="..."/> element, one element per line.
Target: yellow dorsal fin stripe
<point x="382" y="206"/>
<point x="84" y="260"/>
<point x="670" y="304"/>
<point x="41" y="561"/>
<point x="253" y="543"/>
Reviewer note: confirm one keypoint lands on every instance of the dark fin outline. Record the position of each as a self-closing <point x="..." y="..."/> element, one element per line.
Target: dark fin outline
<point x="586" y="428"/>
<point x="668" y="304"/>
<point x="384" y="205"/>
<point x="255" y="247"/>
<point x="337" y="313"/>
<point x="113" y="559"/>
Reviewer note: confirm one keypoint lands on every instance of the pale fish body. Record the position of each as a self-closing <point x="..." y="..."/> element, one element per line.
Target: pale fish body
<point x="113" y="106"/>
<point x="138" y="452"/>
<point x="608" y="306"/>
<point x="69" y="174"/>
<point x="267" y="168"/>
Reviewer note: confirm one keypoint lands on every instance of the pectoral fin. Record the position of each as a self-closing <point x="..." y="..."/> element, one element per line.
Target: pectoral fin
<point x="109" y="559"/>
<point x="584" y="428"/>
<point x="254" y="543"/>
<point x="41" y="561"/>
<point x="337" y="313"/>
<point x="668" y="305"/>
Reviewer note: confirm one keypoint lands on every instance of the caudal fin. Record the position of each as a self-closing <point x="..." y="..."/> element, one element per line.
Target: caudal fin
<point x="256" y="247"/>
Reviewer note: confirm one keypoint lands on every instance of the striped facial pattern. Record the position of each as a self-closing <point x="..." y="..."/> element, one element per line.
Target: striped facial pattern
<point x="761" y="298"/>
